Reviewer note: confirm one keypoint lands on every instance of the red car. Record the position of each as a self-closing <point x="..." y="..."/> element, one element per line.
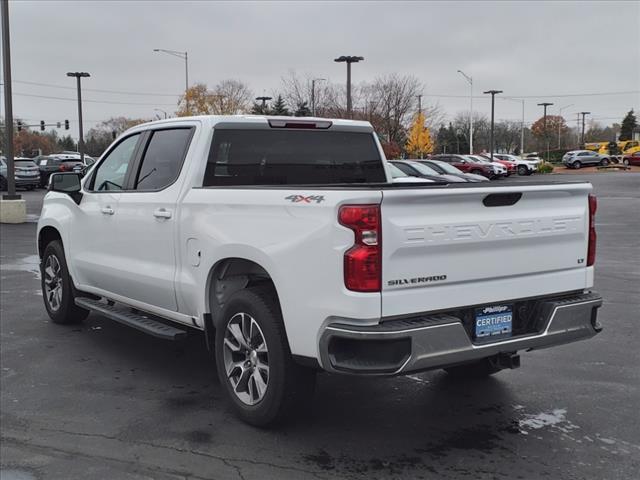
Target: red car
<point x="466" y="165"/>
<point x="633" y="159"/>
<point x="511" y="167"/>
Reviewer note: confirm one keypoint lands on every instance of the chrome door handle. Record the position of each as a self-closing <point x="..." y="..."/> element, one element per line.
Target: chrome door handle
<point x="107" y="211"/>
<point x="162" y="213"/>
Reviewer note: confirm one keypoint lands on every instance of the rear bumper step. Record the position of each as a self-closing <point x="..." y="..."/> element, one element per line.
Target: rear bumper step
<point x="139" y="321"/>
<point x="437" y="341"/>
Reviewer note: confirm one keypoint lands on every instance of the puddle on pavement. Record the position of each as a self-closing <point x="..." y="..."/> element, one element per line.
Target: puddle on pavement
<point x="30" y="263"/>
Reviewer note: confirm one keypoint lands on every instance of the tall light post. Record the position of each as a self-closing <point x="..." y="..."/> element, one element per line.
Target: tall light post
<point x="78" y="76"/>
<point x="560" y="122"/>
<point x="313" y="94"/>
<point x="185" y="57"/>
<point x="348" y="59"/>
<point x="264" y="99"/>
<point x="493" y="104"/>
<point x="8" y="105"/>
<point x="470" y="80"/>
<point x="544" y="124"/>
<point x="584" y="114"/>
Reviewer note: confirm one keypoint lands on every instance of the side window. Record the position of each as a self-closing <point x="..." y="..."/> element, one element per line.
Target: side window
<point x="162" y="159"/>
<point x="585" y="154"/>
<point x="111" y="173"/>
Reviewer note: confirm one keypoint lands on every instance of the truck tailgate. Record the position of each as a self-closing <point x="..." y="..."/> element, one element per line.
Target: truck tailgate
<point x="451" y="247"/>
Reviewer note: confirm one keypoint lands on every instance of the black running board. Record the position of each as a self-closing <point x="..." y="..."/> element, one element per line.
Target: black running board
<point x="138" y="321"/>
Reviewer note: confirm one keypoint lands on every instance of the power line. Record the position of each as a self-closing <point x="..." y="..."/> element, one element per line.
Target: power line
<point x="93" y="101"/>
<point x="117" y="92"/>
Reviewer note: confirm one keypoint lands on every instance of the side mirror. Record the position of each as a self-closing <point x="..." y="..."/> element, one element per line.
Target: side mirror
<point x="68" y="183"/>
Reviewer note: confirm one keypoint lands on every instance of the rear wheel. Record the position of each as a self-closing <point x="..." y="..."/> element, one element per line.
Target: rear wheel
<point x="57" y="287"/>
<point x="604" y="162"/>
<point x="522" y="170"/>
<point x="479" y="369"/>
<point x="254" y="362"/>
<point x="577" y="164"/>
<point x="626" y="161"/>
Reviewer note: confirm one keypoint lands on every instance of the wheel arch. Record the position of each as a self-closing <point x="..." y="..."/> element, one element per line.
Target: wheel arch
<point x="47" y="235"/>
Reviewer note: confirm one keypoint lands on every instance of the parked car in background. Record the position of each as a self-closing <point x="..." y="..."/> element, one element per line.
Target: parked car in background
<point x="532" y="157"/>
<point x="3" y="174"/>
<point x="446" y="168"/>
<point x="523" y="167"/>
<point x="467" y="165"/>
<point x="510" y="166"/>
<point x="62" y="162"/>
<point x="499" y="170"/>
<point x="578" y="158"/>
<point x="633" y="159"/>
<point x="27" y="174"/>
<point x="416" y="169"/>
<point x="398" y="176"/>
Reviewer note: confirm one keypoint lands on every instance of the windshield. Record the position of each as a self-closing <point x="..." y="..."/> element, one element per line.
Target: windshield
<point x="292" y="156"/>
<point x="396" y="172"/>
<point x="424" y="169"/>
<point x="446" y="167"/>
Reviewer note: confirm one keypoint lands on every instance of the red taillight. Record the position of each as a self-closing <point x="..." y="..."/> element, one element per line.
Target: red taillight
<point x="62" y="167"/>
<point x="363" y="262"/>
<point x="591" y="249"/>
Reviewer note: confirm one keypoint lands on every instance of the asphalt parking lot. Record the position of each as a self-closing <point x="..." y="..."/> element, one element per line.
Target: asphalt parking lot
<point x="100" y="400"/>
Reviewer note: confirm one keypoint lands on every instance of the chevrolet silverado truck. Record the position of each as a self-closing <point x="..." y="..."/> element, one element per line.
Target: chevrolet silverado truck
<point x="285" y="241"/>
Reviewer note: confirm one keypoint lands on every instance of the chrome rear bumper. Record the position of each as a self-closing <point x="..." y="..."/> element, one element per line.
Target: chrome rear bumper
<point x="440" y="340"/>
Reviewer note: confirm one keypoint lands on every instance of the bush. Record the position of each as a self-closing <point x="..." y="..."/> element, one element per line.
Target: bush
<point x="545" y="167"/>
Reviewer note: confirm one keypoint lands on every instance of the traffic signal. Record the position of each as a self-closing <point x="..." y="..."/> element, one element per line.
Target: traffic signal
<point x="66" y="124"/>
<point x="19" y="126"/>
<point x="42" y="125"/>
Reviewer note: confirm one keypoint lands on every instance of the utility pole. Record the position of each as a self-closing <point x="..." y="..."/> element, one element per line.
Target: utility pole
<point x="78" y="76"/>
<point x="560" y="122"/>
<point x="8" y="105"/>
<point x="349" y="59"/>
<point x="584" y="114"/>
<point x="313" y="94"/>
<point x="185" y="57"/>
<point x="493" y="103"/>
<point x="470" y="80"/>
<point x="544" y="123"/>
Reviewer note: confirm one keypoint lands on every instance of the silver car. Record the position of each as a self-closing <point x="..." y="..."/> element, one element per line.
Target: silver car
<point x="578" y="158"/>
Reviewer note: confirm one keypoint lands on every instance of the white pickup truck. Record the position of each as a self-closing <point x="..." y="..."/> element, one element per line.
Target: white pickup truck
<point x="285" y="241"/>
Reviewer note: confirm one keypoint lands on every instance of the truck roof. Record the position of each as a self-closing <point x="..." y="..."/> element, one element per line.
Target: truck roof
<point x="264" y="121"/>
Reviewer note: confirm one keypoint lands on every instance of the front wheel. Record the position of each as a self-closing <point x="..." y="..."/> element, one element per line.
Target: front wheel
<point x="577" y="165"/>
<point x="57" y="287"/>
<point x="254" y="362"/>
<point x="626" y="162"/>
<point x="604" y="162"/>
<point x="522" y="170"/>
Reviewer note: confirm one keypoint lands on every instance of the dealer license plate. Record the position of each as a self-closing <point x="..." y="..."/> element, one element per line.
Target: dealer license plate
<point x="494" y="321"/>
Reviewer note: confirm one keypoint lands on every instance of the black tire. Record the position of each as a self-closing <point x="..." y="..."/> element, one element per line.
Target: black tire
<point x="626" y="162"/>
<point x="64" y="310"/>
<point x="523" y="170"/>
<point x="289" y="387"/>
<point x="3" y="184"/>
<point x="478" y="369"/>
<point x="604" y="162"/>
<point x="577" y="164"/>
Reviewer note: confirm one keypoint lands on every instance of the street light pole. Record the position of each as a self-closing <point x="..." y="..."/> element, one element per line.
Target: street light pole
<point x="8" y="106"/>
<point x="470" y="80"/>
<point x="348" y="59"/>
<point x="544" y="123"/>
<point x="264" y="100"/>
<point x="185" y="57"/>
<point x="493" y="103"/>
<point x="313" y="94"/>
<point x="78" y="76"/>
<point x="560" y="121"/>
<point x="584" y="114"/>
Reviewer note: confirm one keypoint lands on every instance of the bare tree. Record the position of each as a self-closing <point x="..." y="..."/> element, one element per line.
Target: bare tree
<point x="228" y="97"/>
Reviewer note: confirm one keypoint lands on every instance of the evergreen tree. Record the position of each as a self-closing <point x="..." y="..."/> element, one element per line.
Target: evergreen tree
<point x="629" y="123"/>
<point x="279" y="108"/>
<point x="303" y="110"/>
<point x="67" y="143"/>
<point x="260" y="109"/>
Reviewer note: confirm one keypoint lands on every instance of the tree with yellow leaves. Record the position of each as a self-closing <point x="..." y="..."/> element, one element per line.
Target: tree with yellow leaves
<point x="419" y="142"/>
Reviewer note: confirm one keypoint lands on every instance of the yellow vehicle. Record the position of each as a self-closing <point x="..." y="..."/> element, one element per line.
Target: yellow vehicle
<point x="600" y="147"/>
<point x="627" y="147"/>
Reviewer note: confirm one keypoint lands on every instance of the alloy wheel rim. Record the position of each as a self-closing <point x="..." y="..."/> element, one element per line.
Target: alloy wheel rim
<point x="53" y="282"/>
<point x="246" y="358"/>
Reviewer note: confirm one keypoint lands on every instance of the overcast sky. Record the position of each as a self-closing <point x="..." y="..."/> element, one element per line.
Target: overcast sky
<point x="531" y="49"/>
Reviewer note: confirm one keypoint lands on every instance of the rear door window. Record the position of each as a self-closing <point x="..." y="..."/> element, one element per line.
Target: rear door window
<point x="292" y="157"/>
<point x="163" y="158"/>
